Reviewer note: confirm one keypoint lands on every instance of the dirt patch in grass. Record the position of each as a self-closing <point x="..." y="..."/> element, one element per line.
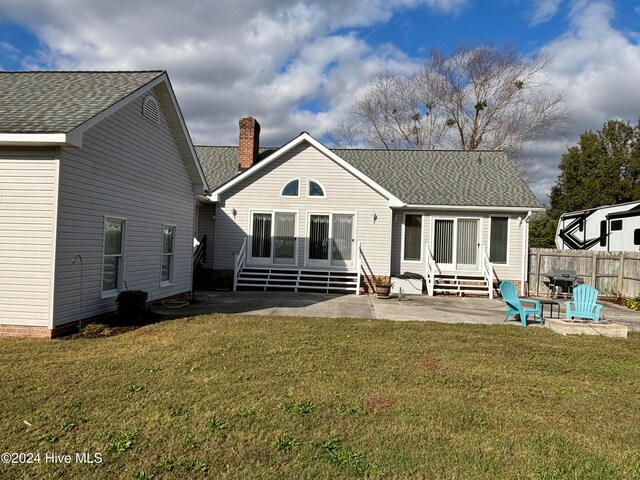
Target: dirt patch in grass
<point x="377" y="404"/>
<point x="430" y="366"/>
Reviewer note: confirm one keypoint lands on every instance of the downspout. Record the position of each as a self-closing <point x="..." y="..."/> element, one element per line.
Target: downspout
<point x="525" y="254"/>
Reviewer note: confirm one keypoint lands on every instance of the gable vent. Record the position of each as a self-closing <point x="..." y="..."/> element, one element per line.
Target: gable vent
<point x="150" y="109"/>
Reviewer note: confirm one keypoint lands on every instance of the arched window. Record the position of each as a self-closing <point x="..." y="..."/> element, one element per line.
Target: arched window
<point x="315" y="189"/>
<point x="291" y="189"/>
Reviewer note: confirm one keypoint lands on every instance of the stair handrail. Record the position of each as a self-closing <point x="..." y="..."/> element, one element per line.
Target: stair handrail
<point x="359" y="268"/>
<point x="431" y="267"/>
<point x="240" y="262"/>
<point x="488" y="271"/>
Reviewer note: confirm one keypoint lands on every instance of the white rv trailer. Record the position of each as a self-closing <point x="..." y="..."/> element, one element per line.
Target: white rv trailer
<point x="608" y="228"/>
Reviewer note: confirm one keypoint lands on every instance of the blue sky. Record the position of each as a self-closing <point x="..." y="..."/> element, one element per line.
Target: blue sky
<point x="298" y="65"/>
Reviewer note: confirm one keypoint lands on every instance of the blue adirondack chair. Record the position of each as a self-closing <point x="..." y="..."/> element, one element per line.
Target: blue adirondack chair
<point x="584" y="303"/>
<point x="514" y="304"/>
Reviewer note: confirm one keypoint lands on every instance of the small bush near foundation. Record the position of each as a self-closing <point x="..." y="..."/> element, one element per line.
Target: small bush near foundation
<point x="132" y="305"/>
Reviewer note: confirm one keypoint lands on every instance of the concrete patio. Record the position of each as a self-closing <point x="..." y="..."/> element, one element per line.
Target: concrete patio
<point x="445" y="309"/>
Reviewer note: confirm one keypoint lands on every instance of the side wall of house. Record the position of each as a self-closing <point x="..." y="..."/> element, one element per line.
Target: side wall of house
<point x="345" y="193"/>
<point x="129" y="167"/>
<point x="512" y="270"/>
<point x="28" y="182"/>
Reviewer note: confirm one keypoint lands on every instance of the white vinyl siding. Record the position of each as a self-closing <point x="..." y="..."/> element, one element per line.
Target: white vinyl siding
<point x="344" y="193"/>
<point x="27" y="237"/>
<point x="128" y="167"/>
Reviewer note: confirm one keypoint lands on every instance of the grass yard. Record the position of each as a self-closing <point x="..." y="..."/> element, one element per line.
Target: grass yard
<point x="263" y="397"/>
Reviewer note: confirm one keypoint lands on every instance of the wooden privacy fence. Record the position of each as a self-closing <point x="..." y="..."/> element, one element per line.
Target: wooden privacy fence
<point x="610" y="272"/>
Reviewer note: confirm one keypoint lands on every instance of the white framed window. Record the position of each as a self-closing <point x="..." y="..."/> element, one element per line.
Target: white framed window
<point x="113" y="256"/>
<point x="316" y="189"/>
<point x="168" y="249"/>
<point x="291" y="189"/>
<point x="498" y="241"/>
<point x="412" y="245"/>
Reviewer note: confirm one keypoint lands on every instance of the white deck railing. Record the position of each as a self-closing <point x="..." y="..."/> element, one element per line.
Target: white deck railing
<point x="359" y="268"/>
<point x="431" y="267"/>
<point x="487" y="270"/>
<point x="240" y="262"/>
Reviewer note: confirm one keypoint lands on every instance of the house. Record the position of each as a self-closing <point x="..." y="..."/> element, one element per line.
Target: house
<point x="98" y="178"/>
<point x="307" y="217"/>
<point x="606" y="228"/>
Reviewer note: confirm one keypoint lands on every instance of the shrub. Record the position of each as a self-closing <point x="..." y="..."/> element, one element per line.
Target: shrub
<point x="634" y="303"/>
<point x="132" y="305"/>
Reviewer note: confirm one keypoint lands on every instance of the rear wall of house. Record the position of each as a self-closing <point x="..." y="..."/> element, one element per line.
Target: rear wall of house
<point x="344" y="194"/>
<point x="28" y="180"/>
<point x="130" y="168"/>
<point x="511" y="270"/>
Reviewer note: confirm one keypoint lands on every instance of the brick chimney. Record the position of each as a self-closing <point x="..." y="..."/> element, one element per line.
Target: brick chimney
<point x="249" y="142"/>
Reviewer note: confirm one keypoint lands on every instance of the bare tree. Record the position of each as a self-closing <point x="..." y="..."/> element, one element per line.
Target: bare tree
<point x="479" y="97"/>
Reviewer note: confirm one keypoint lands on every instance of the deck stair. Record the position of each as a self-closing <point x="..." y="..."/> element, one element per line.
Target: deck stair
<point x="268" y="278"/>
<point x="460" y="284"/>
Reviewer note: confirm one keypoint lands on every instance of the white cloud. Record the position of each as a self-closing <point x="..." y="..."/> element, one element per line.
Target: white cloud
<point x="272" y="58"/>
<point x="227" y="58"/>
<point x="598" y="69"/>
<point x="543" y="11"/>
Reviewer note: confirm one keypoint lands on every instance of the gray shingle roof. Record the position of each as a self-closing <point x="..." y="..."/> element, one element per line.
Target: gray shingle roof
<point x="417" y="177"/>
<point x="451" y="177"/>
<point x="48" y="102"/>
<point x="220" y="164"/>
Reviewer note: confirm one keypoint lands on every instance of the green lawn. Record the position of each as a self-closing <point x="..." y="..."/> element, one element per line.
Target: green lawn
<point x="258" y="397"/>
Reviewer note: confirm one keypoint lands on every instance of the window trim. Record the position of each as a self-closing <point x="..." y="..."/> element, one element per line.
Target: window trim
<point x="167" y="283"/>
<point x="104" y="294"/>
<point x="286" y="185"/>
<point x="404" y="227"/>
<point x="324" y="190"/>
<point x="509" y="219"/>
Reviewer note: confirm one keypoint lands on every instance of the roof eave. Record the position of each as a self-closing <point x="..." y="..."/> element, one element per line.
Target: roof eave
<point x="474" y="208"/>
<point x="69" y="139"/>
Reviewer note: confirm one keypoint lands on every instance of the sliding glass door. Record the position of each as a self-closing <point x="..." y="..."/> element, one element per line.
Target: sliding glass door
<point x="273" y="238"/>
<point x="456" y="243"/>
<point x="330" y="240"/>
<point x="342" y="245"/>
<point x="284" y="248"/>
<point x="318" y="240"/>
<point x="261" y="238"/>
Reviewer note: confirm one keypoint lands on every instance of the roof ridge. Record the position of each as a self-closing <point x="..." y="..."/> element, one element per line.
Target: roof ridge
<point x="82" y="71"/>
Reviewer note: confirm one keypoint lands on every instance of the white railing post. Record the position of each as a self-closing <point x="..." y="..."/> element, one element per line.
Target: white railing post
<point x="359" y="268"/>
<point x="488" y="271"/>
<point x="240" y="260"/>
<point x="430" y="270"/>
